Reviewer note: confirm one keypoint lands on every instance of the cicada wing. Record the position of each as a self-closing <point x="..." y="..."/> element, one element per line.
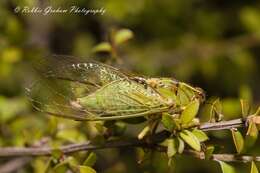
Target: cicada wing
<point x="63" y="80"/>
<point x="91" y="74"/>
<point x="56" y="98"/>
<point x="124" y="98"/>
<point x="105" y="91"/>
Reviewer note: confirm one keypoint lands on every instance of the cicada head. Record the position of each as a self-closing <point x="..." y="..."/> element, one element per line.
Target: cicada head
<point x="200" y="94"/>
<point x="179" y="92"/>
<point x="186" y="93"/>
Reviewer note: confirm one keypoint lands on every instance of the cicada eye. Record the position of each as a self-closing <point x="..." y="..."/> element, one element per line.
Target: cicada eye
<point x="161" y="84"/>
<point x="201" y="94"/>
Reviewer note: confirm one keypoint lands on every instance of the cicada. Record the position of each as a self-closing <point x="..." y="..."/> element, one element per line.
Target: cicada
<point x="86" y="91"/>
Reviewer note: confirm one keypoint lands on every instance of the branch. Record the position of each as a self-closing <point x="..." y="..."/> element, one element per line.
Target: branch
<point x="224" y="157"/>
<point x="66" y="149"/>
<point x="14" y="164"/>
<point x="240" y="122"/>
<point x="134" y="142"/>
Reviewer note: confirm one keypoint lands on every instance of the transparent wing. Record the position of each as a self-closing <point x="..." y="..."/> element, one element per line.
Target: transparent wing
<point x="91" y="74"/>
<point x="65" y="81"/>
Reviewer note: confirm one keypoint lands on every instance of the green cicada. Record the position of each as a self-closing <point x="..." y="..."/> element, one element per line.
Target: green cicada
<point x="95" y="91"/>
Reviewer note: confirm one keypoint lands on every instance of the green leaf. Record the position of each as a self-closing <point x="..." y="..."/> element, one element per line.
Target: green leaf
<point x="171" y="148"/>
<point x="226" y="168"/>
<point x="71" y="135"/>
<point x="191" y="140"/>
<point x="190" y="112"/>
<point x="251" y="135"/>
<point x="18" y="105"/>
<point x="61" y="167"/>
<point x="86" y="169"/>
<point x="209" y="151"/>
<point x="257" y="113"/>
<point x="56" y="153"/>
<point x="102" y="47"/>
<point x="120" y="128"/>
<point x="200" y="135"/>
<point x="181" y="145"/>
<point x="122" y="36"/>
<point x="217" y="106"/>
<point x="238" y="140"/>
<point x="250" y="19"/>
<point x="167" y="121"/>
<point x="216" y="110"/>
<point x="72" y="161"/>
<point x="253" y="168"/>
<point x="245" y="107"/>
<point x="91" y="159"/>
<point x="140" y="154"/>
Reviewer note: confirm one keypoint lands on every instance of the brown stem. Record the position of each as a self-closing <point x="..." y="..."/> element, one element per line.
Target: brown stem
<point x="224" y="157"/>
<point x="15" y="164"/>
<point x="223" y="125"/>
<point x="67" y="149"/>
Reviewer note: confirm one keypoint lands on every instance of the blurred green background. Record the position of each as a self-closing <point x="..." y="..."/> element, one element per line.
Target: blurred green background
<point x="211" y="44"/>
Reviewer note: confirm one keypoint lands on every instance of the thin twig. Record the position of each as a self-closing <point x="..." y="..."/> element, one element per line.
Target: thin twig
<point x="223" y="125"/>
<point x="66" y="149"/>
<point x="224" y="157"/>
<point x="14" y="164"/>
<point x="134" y="142"/>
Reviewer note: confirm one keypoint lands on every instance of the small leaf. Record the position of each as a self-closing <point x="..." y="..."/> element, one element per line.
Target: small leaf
<point x="215" y="111"/>
<point x="171" y="148"/>
<point x="140" y="154"/>
<point x="238" y="140"/>
<point x="218" y="110"/>
<point x="253" y="168"/>
<point x="56" y="153"/>
<point x="181" y="146"/>
<point x="200" y="135"/>
<point x="61" y="167"/>
<point x="144" y="132"/>
<point x="226" y="168"/>
<point x="122" y="36"/>
<point x="251" y="135"/>
<point x="190" y="112"/>
<point x="191" y="140"/>
<point x="245" y="107"/>
<point x="119" y="128"/>
<point x="100" y="127"/>
<point x="71" y="135"/>
<point x="91" y="159"/>
<point x="209" y="151"/>
<point x="167" y="121"/>
<point x="257" y="111"/>
<point x="72" y="161"/>
<point x="102" y="47"/>
<point x="86" y="169"/>
<point x="217" y="106"/>
<point x="164" y="143"/>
